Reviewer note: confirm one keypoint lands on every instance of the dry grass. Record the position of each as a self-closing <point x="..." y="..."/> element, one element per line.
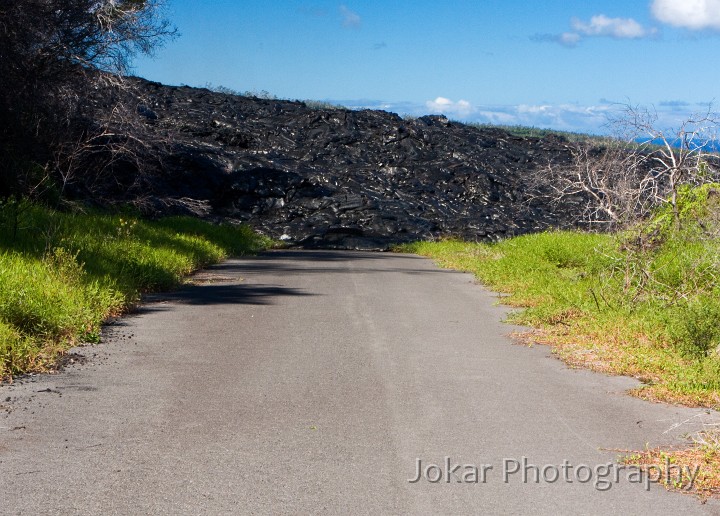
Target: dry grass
<point x="617" y="355"/>
<point x="703" y="456"/>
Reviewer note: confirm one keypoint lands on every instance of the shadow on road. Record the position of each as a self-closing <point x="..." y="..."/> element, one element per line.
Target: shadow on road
<point x="222" y="284"/>
<point x="206" y="295"/>
<point x="285" y="262"/>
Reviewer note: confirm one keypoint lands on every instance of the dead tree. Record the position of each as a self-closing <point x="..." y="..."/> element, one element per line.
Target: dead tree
<point x="608" y="182"/>
<point x="683" y="155"/>
<point x="619" y="180"/>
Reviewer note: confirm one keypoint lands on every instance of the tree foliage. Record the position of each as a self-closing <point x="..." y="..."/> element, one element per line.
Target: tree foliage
<point x="53" y="55"/>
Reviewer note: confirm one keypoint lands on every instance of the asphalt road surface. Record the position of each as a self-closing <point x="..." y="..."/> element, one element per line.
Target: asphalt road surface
<point x="305" y="382"/>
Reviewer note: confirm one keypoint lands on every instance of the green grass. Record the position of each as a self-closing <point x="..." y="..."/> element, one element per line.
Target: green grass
<point x="644" y="303"/>
<point x="536" y="132"/>
<point x="62" y="275"/>
<point x="603" y="302"/>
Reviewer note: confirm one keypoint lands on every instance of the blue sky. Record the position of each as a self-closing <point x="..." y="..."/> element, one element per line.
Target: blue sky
<point x="549" y="63"/>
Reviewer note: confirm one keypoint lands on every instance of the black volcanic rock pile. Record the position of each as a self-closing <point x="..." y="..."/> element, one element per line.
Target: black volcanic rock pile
<point x="338" y="178"/>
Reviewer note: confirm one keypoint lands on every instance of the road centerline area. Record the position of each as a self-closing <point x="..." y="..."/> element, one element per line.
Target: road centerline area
<point x="328" y="382"/>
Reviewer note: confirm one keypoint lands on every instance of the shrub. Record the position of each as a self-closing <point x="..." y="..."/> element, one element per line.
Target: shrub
<point x="695" y="330"/>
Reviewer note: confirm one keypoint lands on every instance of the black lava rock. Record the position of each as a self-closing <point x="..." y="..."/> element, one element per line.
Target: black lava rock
<point x="338" y="178"/>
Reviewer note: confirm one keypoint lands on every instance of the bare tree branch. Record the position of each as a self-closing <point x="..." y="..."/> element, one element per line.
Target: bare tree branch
<point x="55" y="55"/>
<point x="620" y="181"/>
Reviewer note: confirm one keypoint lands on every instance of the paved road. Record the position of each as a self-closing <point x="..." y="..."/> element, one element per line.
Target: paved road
<point x="314" y="382"/>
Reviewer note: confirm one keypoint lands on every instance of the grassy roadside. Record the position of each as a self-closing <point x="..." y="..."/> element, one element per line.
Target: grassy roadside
<point x="644" y="303"/>
<point x="573" y="290"/>
<point x="702" y="456"/>
<point x="62" y="275"/>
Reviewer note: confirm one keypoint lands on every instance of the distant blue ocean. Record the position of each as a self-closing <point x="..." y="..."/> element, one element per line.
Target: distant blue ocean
<point x="705" y="145"/>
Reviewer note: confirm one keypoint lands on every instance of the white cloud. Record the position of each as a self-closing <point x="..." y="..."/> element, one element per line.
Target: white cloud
<point x="350" y="19"/>
<point x="598" y="26"/>
<point x="564" y="117"/>
<point x="569" y="39"/>
<point x="689" y="14"/>
<point x="566" y="39"/>
<point x="495" y="117"/>
<point x="601" y="25"/>
<point x="567" y="117"/>
<point x="461" y="108"/>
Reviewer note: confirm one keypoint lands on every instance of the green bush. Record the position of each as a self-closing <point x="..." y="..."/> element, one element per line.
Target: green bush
<point x="695" y="328"/>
